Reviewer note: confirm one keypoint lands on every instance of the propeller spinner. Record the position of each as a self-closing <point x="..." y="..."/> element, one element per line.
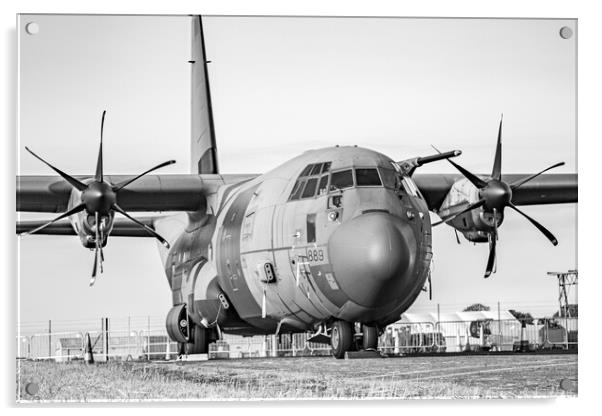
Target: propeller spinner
<point x="495" y="195"/>
<point x="99" y="199"/>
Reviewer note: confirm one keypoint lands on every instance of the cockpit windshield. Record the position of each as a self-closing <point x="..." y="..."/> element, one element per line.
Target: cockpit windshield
<point x="316" y="179"/>
<point x="341" y="180"/>
<point x="367" y="177"/>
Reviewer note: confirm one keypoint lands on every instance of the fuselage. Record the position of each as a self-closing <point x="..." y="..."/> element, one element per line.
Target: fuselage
<point x="336" y="233"/>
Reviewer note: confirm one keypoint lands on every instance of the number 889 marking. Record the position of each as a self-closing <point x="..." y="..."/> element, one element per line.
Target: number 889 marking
<point x="315" y="255"/>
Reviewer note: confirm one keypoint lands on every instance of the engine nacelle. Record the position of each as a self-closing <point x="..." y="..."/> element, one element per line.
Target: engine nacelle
<point x="84" y="223"/>
<point x="475" y="225"/>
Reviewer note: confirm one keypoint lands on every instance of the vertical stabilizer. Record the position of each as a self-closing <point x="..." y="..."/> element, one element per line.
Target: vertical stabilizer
<point x="203" y="148"/>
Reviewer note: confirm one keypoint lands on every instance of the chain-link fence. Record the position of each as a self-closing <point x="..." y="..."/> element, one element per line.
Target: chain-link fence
<point x="153" y="343"/>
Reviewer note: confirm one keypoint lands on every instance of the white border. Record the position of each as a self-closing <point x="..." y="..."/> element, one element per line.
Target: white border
<point x="590" y="37"/>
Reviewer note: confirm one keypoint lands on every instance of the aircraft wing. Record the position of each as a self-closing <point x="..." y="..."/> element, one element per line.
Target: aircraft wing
<point x="545" y="189"/>
<point x="184" y="192"/>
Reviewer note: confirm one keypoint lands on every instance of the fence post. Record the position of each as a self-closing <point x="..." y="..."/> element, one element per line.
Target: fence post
<point x="107" y="339"/>
<point x="148" y="338"/>
<point x="499" y="327"/>
<point x="275" y="345"/>
<point x="49" y="338"/>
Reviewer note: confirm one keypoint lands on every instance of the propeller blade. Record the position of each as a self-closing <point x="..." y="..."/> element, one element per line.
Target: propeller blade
<point x="523" y="181"/>
<point x="491" y="259"/>
<point x="72" y="181"/>
<point x="125" y="183"/>
<point x="96" y="247"/>
<point x="72" y="211"/>
<point x="148" y="229"/>
<point x="464" y="211"/>
<point x="496" y="172"/>
<point x="99" y="237"/>
<point x="540" y="227"/>
<point x="102" y="255"/>
<point x="96" y="235"/>
<point x="99" y="171"/>
<point x="94" y="267"/>
<point x="474" y="179"/>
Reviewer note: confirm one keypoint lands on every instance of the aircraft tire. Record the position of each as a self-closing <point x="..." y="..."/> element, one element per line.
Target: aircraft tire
<point x="200" y="341"/>
<point x="341" y="338"/>
<point x="370" y="337"/>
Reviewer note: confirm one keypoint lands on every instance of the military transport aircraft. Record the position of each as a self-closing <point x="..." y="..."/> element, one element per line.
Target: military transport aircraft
<point x="336" y="241"/>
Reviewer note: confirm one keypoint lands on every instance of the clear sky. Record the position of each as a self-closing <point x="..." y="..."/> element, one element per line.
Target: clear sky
<point x="281" y="86"/>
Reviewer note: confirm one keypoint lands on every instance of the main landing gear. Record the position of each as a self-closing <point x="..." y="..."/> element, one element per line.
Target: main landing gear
<point x="198" y="343"/>
<point x="344" y="337"/>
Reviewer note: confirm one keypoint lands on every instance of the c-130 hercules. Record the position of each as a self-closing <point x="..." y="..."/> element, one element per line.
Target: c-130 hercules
<point x="336" y="241"/>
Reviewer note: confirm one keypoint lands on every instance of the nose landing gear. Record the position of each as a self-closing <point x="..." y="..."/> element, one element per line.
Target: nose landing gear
<point x="343" y="338"/>
<point x="370" y="337"/>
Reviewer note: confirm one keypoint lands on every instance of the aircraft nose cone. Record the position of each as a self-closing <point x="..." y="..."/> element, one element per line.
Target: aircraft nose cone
<point x="373" y="257"/>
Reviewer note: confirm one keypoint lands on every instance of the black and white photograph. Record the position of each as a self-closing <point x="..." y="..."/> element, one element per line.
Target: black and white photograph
<point x="293" y="207"/>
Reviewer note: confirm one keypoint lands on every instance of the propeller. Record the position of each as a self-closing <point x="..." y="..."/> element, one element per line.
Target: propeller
<point x="99" y="198"/>
<point x="495" y="195"/>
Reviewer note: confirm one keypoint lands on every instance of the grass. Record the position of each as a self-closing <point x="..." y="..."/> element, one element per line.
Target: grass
<point x="300" y="378"/>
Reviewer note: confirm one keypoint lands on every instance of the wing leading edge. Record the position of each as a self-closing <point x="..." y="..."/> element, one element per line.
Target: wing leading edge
<point x="184" y="192"/>
<point x="545" y="189"/>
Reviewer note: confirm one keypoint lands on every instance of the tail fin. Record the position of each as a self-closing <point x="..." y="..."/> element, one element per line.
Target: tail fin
<point x="203" y="148"/>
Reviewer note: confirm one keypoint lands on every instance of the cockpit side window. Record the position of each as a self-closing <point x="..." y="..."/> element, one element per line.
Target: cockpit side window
<point x="389" y="177"/>
<point x="306" y="170"/>
<point x="307" y="183"/>
<point x="341" y="180"/>
<point x="310" y="188"/>
<point x="323" y="186"/>
<point x="297" y="189"/>
<point x="316" y="169"/>
<point x="392" y="180"/>
<point x="367" y="177"/>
